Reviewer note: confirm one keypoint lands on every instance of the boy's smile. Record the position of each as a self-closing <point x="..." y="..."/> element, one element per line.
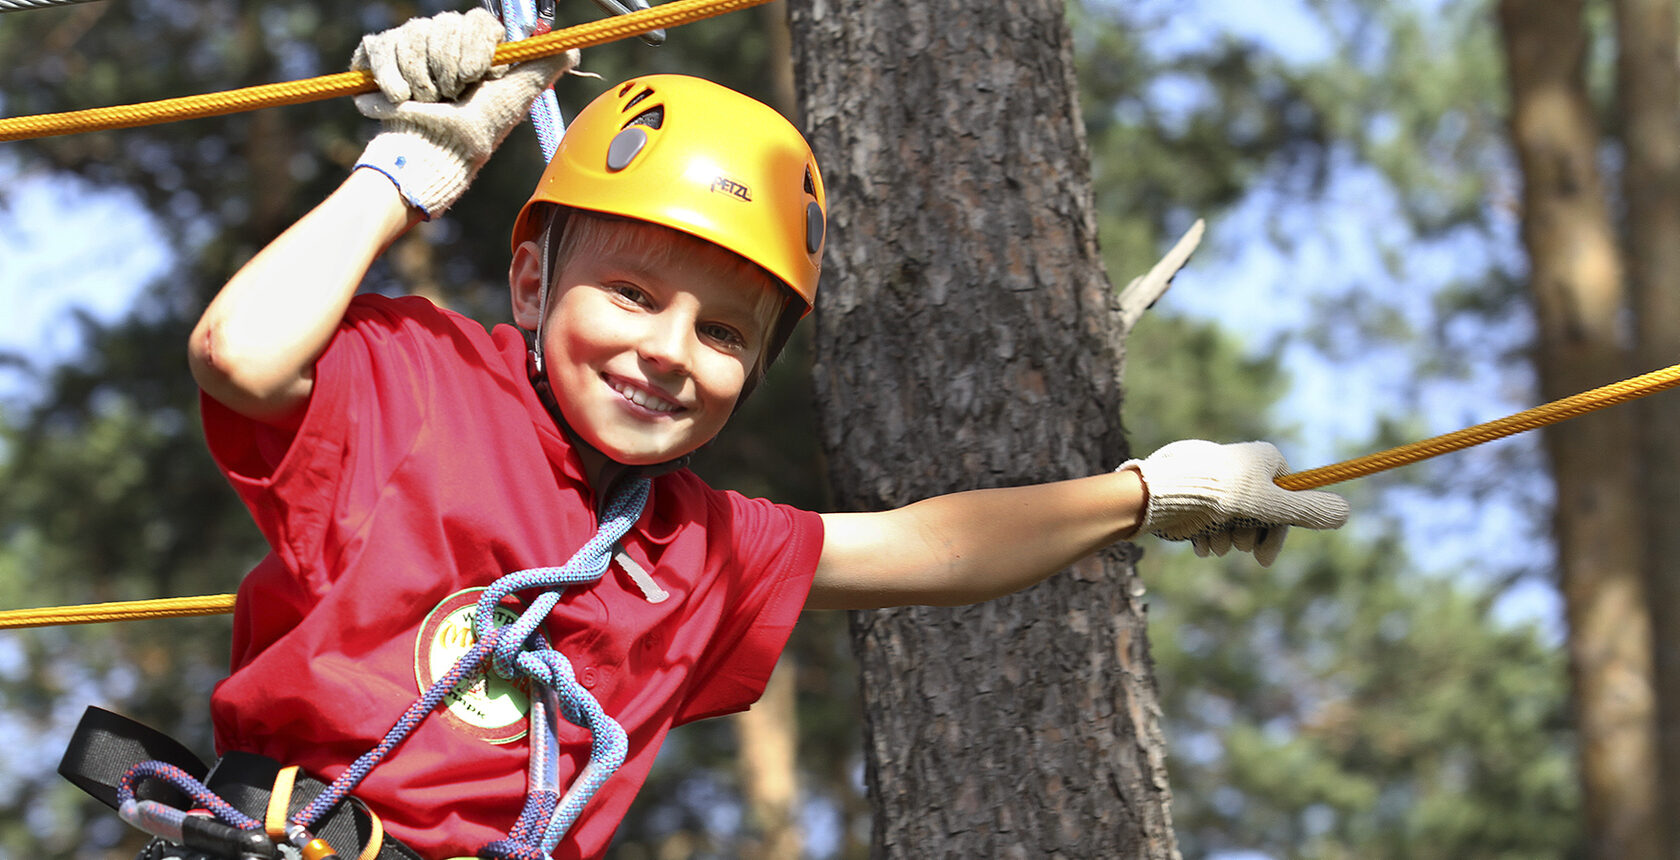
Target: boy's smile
<point x="647" y="400"/>
<point x="647" y="350"/>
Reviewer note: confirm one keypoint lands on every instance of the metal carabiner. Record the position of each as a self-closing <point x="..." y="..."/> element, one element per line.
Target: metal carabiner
<point x="545" y="16"/>
<point x="522" y="19"/>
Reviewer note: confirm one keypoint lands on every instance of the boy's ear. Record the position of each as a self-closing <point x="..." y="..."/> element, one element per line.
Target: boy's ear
<point x="525" y="283"/>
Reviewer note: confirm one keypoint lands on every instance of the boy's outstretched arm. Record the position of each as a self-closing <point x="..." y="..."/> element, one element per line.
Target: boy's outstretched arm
<point x="973" y="546"/>
<point x="443" y="110"/>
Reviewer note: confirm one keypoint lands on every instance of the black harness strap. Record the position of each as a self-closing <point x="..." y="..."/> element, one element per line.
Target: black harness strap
<point x="106" y="744"/>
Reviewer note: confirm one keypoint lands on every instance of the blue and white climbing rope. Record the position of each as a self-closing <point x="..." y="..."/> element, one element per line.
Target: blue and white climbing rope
<point x="523" y="653"/>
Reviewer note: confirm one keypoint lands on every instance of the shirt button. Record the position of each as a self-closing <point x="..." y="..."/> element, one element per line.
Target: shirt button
<point x="588" y="677"/>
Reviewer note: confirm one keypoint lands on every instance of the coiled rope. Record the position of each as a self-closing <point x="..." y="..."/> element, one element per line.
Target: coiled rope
<point x="1403" y="455"/>
<point x="587" y="35"/>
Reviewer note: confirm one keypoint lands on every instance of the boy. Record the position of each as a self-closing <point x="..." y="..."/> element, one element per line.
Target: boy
<point x="400" y="460"/>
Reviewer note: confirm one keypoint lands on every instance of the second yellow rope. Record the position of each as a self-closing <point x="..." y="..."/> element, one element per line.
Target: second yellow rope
<point x="1529" y="419"/>
<point x="1540" y="416"/>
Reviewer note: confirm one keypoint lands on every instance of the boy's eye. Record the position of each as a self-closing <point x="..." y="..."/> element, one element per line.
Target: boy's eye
<point x="629" y="293"/>
<point x="726" y="335"/>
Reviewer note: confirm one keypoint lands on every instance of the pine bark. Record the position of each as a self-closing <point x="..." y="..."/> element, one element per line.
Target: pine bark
<point x="967" y="336"/>
<point x="1576" y="276"/>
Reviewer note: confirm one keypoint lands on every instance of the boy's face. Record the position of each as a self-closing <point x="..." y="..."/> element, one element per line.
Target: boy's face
<point x="647" y="353"/>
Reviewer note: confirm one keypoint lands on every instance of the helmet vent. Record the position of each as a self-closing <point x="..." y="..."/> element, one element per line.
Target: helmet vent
<point x="810" y="185"/>
<point x="639" y="98"/>
<point x="653" y="117"/>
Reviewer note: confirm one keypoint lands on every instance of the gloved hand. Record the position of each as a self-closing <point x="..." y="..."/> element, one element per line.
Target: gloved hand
<point x="1222" y="496"/>
<point x="444" y="109"/>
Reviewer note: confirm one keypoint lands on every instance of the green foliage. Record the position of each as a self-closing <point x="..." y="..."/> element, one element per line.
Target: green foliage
<point x="1185" y="377"/>
<point x="111" y="497"/>
<point x="1335" y="706"/>
<point x="1172" y="136"/>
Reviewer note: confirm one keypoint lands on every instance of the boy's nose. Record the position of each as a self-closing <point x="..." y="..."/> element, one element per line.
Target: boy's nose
<point x="667" y="343"/>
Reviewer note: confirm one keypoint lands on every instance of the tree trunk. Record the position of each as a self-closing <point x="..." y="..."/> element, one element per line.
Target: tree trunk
<point x="1576" y="278"/>
<point x="1648" y="79"/>
<point x="967" y="336"/>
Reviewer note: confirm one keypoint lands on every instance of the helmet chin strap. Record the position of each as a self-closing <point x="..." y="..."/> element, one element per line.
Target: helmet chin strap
<point x="611" y="471"/>
<point x="556" y="224"/>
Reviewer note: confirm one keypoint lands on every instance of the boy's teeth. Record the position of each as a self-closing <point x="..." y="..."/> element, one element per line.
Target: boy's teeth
<point x="644" y="400"/>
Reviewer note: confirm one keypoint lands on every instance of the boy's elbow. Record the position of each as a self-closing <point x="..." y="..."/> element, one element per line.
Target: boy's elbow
<point x="201" y="353"/>
<point x="242" y="380"/>
<point x="215" y="363"/>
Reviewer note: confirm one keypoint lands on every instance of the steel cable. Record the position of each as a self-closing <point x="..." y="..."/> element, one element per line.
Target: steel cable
<point x="20" y="5"/>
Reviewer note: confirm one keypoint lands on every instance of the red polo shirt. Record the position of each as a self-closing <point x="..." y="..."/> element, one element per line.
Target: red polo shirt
<point x="425" y="468"/>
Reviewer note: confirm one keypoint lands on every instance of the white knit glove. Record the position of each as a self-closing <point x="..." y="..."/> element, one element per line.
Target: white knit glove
<point x="1222" y="496"/>
<point x="444" y="109"/>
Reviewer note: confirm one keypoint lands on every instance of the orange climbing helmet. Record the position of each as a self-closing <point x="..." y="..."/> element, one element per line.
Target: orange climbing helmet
<point x="698" y="157"/>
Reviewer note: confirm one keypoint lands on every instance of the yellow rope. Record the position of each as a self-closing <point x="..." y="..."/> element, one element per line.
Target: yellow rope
<point x="130" y="610"/>
<point x="1539" y="416"/>
<point x="587" y="35"/>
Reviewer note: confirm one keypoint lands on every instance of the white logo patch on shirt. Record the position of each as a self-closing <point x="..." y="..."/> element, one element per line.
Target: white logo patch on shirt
<point x="483" y="704"/>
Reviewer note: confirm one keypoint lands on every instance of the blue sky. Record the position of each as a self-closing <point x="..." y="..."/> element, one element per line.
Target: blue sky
<point x="64" y="247"/>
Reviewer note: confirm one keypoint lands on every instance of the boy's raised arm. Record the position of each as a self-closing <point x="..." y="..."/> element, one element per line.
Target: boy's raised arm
<point x="443" y="109"/>
<point x="255" y="347"/>
<point x="973" y="546"/>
